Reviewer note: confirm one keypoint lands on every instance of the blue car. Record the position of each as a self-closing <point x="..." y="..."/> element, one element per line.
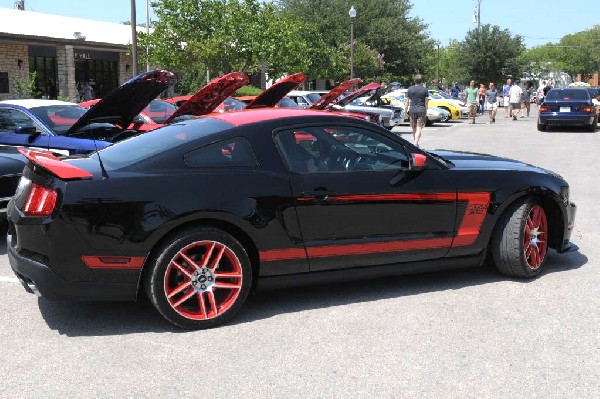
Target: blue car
<point x="67" y="128"/>
<point x="568" y="107"/>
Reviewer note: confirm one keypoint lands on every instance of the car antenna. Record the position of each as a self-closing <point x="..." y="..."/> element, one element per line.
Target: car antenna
<point x="104" y="174"/>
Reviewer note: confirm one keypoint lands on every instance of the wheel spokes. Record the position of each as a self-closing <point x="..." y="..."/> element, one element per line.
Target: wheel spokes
<point x="179" y="289"/>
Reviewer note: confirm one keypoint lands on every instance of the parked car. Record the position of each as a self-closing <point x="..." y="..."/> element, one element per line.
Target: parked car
<point x="69" y="128"/>
<point x="306" y="98"/>
<point x="243" y="203"/>
<point x="441" y="95"/>
<point x="455" y="110"/>
<point x="11" y="166"/>
<point x="568" y="107"/>
<point x="437" y="115"/>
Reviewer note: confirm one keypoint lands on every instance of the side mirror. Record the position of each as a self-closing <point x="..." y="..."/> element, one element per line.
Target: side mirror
<point x="417" y="162"/>
<point x="25" y="129"/>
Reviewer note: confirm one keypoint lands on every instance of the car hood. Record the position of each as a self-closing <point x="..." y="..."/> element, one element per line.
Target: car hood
<point x="471" y="160"/>
<point x="122" y="104"/>
<point x="358" y="93"/>
<point x="208" y="98"/>
<point x="274" y="94"/>
<point x="327" y="98"/>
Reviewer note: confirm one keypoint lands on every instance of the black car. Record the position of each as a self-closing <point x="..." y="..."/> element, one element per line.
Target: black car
<point x="11" y="166"/>
<point x="201" y="212"/>
<point x="568" y="107"/>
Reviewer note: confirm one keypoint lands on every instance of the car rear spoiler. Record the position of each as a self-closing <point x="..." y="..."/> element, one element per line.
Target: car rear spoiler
<point x="54" y="165"/>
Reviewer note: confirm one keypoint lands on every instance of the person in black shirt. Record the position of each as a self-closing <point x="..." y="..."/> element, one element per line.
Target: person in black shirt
<point x="417" y="99"/>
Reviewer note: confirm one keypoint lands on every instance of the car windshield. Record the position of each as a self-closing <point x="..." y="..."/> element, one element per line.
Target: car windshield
<point x="59" y="118"/>
<point x="313" y="97"/>
<point x="159" y="111"/>
<point x="287" y="103"/>
<point x="568" y="94"/>
<point x="233" y="104"/>
<point x="442" y="95"/>
<point x="147" y="145"/>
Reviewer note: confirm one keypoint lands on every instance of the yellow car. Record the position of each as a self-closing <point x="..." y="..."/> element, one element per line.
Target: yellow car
<point x="454" y="110"/>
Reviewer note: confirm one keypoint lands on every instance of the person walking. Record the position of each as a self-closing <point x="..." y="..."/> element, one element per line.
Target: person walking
<point x="514" y="98"/>
<point x="481" y="98"/>
<point x="506" y="100"/>
<point x="471" y="100"/>
<point x="527" y="93"/>
<point x="540" y="93"/>
<point x="455" y="90"/>
<point x="417" y="100"/>
<point x="491" y="101"/>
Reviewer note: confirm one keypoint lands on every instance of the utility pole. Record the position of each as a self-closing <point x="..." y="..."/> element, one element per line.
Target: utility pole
<point x="478" y="13"/>
<point x="147" y="33"/>
<point x="134" y="54"/>
<point x="438" y="63"/>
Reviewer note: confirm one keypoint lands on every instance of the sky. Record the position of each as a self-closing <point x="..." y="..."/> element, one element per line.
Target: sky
<point x="538" y="21"/>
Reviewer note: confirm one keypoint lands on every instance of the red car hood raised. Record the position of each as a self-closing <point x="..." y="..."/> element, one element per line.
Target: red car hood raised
<point x="274" y="94"/>
<point x="210" y="96"/>
<point x="358" y="93"/>
<point x="327" y="98"/>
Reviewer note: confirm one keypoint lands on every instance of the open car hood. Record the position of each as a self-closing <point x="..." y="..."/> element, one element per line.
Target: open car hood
<point x="208" y="98"/>
<point x="122" y="104"/>
<point x="328" y="98"/>
<point x="358" y="93"/>
<point x="274" y="94"/>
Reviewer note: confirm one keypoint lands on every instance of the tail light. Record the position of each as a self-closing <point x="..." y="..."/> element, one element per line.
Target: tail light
<point x="40" y="201"/>
<point x="544" y="108"/>
<point x="585" y="109"/>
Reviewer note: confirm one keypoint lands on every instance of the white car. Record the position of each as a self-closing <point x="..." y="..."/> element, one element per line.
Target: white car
<point x="437" y="94"/>
<point x="306" y="98"/>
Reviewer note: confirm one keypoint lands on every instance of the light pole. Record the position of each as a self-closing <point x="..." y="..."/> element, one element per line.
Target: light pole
<point x="477" y="15"/>
<point x="352" y="14"/>
<point x="134" y="53"/>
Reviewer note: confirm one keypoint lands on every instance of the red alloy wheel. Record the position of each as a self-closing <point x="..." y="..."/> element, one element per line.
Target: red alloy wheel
<point x="203" y="280"/>
<point x="536" y="237"/>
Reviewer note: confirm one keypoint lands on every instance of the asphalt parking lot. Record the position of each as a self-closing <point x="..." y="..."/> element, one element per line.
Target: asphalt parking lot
<point x="467" y="333"/>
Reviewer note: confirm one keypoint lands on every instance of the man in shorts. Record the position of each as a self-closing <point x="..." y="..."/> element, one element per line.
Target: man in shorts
<point x="417" y="99"/>
<point x="514" y="97"/>
<point x="506" y="101"/>
<point x="491" y="102"/>
<point x="471" y="100"/>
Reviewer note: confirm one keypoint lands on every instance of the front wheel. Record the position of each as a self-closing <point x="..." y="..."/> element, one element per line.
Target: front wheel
<point x="200" y="279"/>
<point x="520" y="240"/>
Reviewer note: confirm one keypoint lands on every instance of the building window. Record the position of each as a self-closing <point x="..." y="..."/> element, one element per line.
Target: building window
<point x="45" y="76"/>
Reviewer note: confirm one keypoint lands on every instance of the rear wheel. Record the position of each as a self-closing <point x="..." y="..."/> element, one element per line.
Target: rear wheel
<point x="591" y="128"/>
<point x="541" y="127"/>
<point x="200" y="279"/>
<point x="520" y="240"/>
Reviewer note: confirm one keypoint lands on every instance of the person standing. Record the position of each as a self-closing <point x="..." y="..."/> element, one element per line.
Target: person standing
<point x="88" y="91"/>
<point x="481" y="98"/>
<point x="548" y="87"/>
<point x="540" y="93"/>
<point x="527" y="93"/>
<point x="471" y="100"/>
<point x="455" y="90"/>
<point x="506" y="100"/>
<point x="417" y="100"/>
<point x="491" y="98"/>
<point x="514" y="97"/>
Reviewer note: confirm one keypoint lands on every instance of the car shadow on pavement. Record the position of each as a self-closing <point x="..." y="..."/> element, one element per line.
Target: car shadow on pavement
<point x="120" y="318"/>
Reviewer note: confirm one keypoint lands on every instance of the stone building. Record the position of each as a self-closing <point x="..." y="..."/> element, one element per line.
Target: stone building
<point x="64" y="53"/>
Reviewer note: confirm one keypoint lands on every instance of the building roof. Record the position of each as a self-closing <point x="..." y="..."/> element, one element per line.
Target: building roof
<point x="30" y="23"/>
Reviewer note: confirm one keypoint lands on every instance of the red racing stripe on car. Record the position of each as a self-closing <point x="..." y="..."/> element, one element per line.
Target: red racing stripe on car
<point x="113" y="262"/>
<point x="468" y="231"/>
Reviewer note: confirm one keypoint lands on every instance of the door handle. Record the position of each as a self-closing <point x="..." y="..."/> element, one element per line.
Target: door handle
<point x="318" y="195"/>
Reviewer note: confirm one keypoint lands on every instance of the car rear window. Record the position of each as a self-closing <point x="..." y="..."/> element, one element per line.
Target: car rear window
<point x="146" y="145"/>
<point x="568" y="94"/>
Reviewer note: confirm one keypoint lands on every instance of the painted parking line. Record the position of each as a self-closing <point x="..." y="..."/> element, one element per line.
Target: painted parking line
<point x="8" y="279"/>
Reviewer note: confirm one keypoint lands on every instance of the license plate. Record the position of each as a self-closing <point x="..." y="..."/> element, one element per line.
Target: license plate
<point x="565" y="109"/>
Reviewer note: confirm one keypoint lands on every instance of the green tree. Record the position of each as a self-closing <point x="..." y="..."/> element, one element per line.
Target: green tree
<point x="490" y="54"/>
<point x="382" y="25"/>
<point x="579" y="52"/>
<point x="192" y="36"/>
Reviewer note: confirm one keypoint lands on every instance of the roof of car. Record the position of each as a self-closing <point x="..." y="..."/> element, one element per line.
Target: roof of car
<point x="244" y="117"/>
<point x="32" y="102"/>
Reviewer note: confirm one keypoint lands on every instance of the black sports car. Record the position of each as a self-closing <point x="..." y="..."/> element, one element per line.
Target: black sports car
<point x="11" y="166"/>
<point x="199" y="213"/>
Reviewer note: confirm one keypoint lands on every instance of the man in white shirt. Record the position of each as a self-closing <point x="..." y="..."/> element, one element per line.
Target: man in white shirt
<point x="514" y="97"/>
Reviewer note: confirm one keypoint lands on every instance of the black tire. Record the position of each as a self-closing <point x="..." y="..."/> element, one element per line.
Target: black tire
<point x="591" y="128"/>
<point x="166" y="272"/>
<point x="509" y="241"/>
<point x="541" y="127"/>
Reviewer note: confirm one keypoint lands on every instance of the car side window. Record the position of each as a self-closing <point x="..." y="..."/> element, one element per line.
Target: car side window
<point x="11" y="118"/>
<point x="235" y="152"/>
<point x="338" y="149"/>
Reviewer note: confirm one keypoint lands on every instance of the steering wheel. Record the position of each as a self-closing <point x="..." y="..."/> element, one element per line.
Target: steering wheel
<point x="347" y="160"/>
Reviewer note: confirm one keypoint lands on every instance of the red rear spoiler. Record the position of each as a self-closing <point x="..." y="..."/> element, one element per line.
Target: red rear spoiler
<point x="53" y="164"/>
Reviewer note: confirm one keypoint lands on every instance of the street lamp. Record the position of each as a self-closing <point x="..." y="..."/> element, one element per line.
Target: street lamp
<point x="352" y="14"/>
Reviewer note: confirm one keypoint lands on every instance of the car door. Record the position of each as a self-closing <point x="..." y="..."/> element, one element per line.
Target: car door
<point x="17" y="128"/>
<point x="359" y="203"/>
